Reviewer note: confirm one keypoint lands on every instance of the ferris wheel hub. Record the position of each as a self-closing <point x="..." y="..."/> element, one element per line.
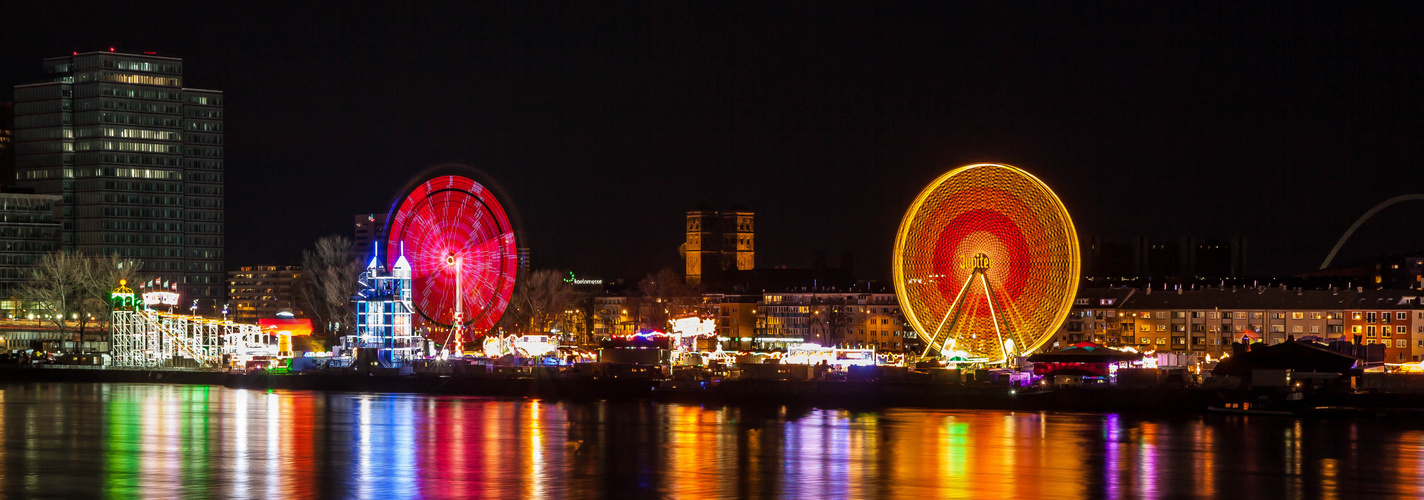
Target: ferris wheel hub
<point x="980" y="262"/>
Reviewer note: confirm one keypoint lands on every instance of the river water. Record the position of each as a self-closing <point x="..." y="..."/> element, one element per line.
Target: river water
<point x="86" y="440"/>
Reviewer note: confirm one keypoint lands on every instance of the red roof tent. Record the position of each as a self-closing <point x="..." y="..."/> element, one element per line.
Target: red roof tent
<point x="1084" y="352"/>
<point x="298" y="327"/>
<point x="1083" y="358"/>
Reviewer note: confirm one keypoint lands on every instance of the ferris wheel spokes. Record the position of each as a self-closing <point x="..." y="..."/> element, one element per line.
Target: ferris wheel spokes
<point x="929" y="344"/>
<point x="463" y="256"/>
<point x="975" y="213"/>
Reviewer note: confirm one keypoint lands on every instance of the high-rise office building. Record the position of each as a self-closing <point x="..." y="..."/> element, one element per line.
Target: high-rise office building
<point x="522" y="253"/>
<point x="257" y="292"/>
<point x="369" y="229"/>
<point x="7" y="143"/>
<point x="29" y="229"/>
<point x="137" y="158"/>
<point x="1170" y="258"/>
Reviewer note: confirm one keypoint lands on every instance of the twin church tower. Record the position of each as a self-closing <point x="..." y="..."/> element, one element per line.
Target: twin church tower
<point x="719" y="243"/>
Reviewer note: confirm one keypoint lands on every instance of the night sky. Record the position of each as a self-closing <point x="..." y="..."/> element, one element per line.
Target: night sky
<point x="605" y="122"/>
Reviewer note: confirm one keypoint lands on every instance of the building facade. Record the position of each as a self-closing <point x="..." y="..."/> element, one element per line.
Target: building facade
<point x="256" y="292"/>
<point x="1208" y="320"/>
<point x="736" y="316"/>
<point x="831" y="319"/>
<point x="878" y="323"/>
<point x="137" y="158"/>
<point x="611" y="317"/>
<point x="29" y="229"/>
<point x="1394" y="318"/>
<point x="7" y="143"/>
<point x="1174" y="258"/>
<point x="367" y="232"/>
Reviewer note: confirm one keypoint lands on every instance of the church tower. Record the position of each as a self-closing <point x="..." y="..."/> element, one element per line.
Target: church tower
<point x="702" y="248"/>
<point x="718" y="243"/>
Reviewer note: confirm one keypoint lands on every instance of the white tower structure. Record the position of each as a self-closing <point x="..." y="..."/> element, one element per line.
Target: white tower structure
<point x="383" y="314"/>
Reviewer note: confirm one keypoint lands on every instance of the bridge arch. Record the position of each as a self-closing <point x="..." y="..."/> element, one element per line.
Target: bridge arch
<point x="1383" y="205"/>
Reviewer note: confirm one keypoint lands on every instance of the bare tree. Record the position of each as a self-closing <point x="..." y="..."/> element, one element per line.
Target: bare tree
<point x="330" y="272"/>
<point x="831" y="318"/>
<point x="56" y="286"/>
<point x="101" y="275"/>
<point x="539" y="301"/>
<point x="663" y="290"/>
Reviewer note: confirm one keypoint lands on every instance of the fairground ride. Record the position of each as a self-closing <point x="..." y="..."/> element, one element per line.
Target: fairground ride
<point x="985" y="264"/>
<point x="144" y="337"/>
<point x="460" y="245"/>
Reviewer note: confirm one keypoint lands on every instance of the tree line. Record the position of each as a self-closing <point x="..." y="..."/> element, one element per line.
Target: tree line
<point x="68" y="288"/>
<point x="542" y="300"/>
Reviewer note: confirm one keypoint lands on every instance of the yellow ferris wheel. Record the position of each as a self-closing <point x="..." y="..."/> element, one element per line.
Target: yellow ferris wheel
<point x="986" y="263"/>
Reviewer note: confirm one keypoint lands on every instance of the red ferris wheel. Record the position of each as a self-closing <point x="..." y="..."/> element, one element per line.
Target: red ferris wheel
<point x="460" y="246"/>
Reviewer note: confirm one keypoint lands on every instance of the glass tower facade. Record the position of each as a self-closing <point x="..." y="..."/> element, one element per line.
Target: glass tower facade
<point x="28" y="231"/>
<point x="137" y="158"/>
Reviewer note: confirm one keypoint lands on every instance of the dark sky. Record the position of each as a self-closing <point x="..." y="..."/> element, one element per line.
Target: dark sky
<point x="606" y="121"/>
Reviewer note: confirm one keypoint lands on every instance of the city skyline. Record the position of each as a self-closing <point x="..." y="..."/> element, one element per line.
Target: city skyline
<point x="1280" y="127"/>
<point x="137" y="158"/>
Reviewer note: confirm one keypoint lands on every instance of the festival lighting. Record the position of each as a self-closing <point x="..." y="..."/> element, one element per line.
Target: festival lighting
<point x="461" y="250"/>
<point x="142" y="337"/>
<point x="123" y="296"/>
<point x="535" y="345"/>
<point x="284" y="330"/>
<point x="160" y="298"/>
<point x="986" y="263"/>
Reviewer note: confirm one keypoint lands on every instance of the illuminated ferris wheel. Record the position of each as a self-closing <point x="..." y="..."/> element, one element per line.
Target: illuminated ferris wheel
<point x="460" y="245"/>
<point x="986" y="263"/>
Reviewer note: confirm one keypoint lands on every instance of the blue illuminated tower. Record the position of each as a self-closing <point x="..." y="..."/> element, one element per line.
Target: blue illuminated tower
<point x="383" y="313"/>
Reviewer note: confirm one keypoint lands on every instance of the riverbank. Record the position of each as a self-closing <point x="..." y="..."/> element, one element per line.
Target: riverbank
<point x="867" y="395"/>
<point x="829" y="394"/>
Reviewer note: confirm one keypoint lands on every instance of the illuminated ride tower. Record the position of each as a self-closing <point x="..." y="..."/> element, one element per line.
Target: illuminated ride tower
<point x="383" y="314"/>
<point x="985" y="264"/>
<point x="456" y="237"/>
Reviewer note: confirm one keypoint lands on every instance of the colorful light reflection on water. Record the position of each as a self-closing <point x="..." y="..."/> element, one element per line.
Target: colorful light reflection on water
<point x="85" y="440"/>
